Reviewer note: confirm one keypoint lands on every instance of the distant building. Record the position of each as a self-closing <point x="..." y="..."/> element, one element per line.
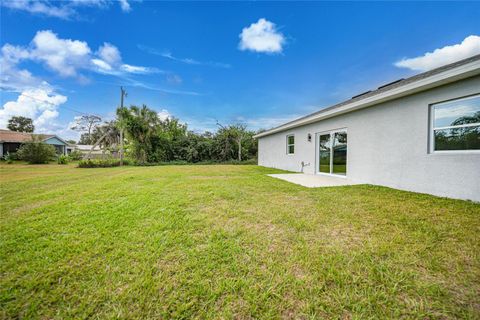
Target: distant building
<point x="85" y="149"/>
<point x="10" y="141"/>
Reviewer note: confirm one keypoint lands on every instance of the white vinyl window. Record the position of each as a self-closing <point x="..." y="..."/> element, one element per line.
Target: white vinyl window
<point x="455" y="125"/>
<point x="290" y="144"/>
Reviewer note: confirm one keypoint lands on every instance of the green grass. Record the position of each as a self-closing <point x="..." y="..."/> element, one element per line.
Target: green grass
<point x="228" y="242"/>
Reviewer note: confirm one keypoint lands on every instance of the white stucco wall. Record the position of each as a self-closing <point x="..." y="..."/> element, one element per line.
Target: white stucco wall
<point x="388" y="145"/>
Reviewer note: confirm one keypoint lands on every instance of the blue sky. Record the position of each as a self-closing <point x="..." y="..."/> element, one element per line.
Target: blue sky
<point x="258" y="63"/>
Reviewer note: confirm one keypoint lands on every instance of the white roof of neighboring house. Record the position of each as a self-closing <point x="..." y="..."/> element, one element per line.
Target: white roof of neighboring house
<point x="434" y="78"/>
<point x="87" y="147"/>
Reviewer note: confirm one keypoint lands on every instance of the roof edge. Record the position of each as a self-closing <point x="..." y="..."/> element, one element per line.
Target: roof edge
<point x="55" y="136"/>
<point x="446" y="74"/>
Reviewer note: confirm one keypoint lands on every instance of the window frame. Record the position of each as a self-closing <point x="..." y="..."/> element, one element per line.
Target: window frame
<point x="432" y="127"/>
<point x="289" y="145"/>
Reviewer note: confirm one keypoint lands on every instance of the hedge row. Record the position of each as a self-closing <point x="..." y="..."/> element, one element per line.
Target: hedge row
<point x="99" y="163"/>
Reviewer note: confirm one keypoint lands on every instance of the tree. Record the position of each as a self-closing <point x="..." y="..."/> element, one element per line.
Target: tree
<point x="105" y="136"/>
<point x="20" y="124"/>
<point x="86" y="123"/>
<point x="233" y="137"/>
<point x="108" y="133"/>
<point x="239" y="133"/>
<point x="151" y="139"/>
<point x="475" y="118"/>
<point x="84" y="139"/>
<point x="140" y="125"/>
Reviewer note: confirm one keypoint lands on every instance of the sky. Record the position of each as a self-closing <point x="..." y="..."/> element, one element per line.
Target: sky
<point x="256" y="63"/>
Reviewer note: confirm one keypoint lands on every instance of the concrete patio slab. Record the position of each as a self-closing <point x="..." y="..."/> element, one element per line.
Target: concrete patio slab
<point x="313" y="181"/>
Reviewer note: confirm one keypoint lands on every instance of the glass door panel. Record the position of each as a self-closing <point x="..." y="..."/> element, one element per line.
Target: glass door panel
<point x="332" y="157"/>
<point x="339" y="153"/>
<point x="324" y="153"/>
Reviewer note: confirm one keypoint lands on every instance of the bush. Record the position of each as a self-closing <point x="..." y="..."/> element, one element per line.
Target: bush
<point x="9" y="157"/>
<point x="106" y="163"/>
<point x="76" y="155"/>
<point x="182" y="162"/>
<point x="36" y="152"/>
<point x="62" y="159"/>
<point x="99" y="163"/>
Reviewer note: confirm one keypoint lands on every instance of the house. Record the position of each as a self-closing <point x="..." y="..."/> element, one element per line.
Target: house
<point x="10" y="141"/>
<point x="86" y="149"/>
<point x="419" y="134"/>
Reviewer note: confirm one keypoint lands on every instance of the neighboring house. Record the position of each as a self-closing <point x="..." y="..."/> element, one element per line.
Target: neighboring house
<point x="10" y="141"/>
<point x="419" y="134"/>
<point x="85" y="149"/>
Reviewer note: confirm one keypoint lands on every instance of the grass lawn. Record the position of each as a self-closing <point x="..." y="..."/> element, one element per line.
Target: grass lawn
<point x="228" y="242"/>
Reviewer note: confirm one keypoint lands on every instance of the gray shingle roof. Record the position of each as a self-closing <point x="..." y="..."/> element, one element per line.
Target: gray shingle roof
<point x="19" y="137"/>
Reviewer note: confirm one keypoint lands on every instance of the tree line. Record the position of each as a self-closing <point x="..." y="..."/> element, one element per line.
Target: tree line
<point x="149" y="139"/>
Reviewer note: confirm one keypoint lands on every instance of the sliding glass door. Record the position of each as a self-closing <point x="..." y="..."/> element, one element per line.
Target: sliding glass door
<point x="332" y="152"/>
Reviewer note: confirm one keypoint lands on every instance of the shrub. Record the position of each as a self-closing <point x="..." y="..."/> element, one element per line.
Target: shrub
<point x="62" y="159"/>
<point x="207" y="162"/>
<point x="36" y="152"/>
<point x="76" y="155"/>
<point x="100" y="163"/>
<point x="9" y="157"/>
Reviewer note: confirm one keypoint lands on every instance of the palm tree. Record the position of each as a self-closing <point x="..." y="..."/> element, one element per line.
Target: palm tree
<point x="139" y="125"/>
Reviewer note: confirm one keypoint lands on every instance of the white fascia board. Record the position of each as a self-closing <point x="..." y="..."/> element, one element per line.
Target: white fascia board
<point x="461" y="72"/>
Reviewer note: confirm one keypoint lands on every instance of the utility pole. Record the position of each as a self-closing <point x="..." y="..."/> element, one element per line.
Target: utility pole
<point x="123" y="94"/>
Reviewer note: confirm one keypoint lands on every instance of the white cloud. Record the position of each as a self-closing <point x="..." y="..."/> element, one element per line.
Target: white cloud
<point x="124" y="5"/>
<point x="11" y="77"/>
<point x="109" y="53"/>
<point x="446" y="115"/>
<point x="40" y="7"/>
<point x="110" y="61"/>
<point x="14" y="54"/>
<point x="63" y="56"/>
<point x="137" y="69"/>
<point x="44" y="119"/>
<point x="168" y="55"/>
<point x="164" y="114"/>
<point x="174" y="79"/>
<point x="262" y="36"/>
<point x="470" y="46"/>
<point x="139" y="84"/>
<point x="60" y="9"/>
<point x="102" y="65"/>
<point x="201" y="125"/>
<point x="66" y="57"/>
<point x="41" y="105"/>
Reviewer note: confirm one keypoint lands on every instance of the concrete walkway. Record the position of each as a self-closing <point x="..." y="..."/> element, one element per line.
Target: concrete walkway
<point x="313" y="180"/>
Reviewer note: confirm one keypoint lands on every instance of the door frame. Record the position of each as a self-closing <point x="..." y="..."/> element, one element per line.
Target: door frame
<point x="317" y="152"/>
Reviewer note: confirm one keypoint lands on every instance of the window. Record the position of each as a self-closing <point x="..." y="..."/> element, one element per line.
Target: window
<point x="456" y="125"/>
<point x="290" y="144"/>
